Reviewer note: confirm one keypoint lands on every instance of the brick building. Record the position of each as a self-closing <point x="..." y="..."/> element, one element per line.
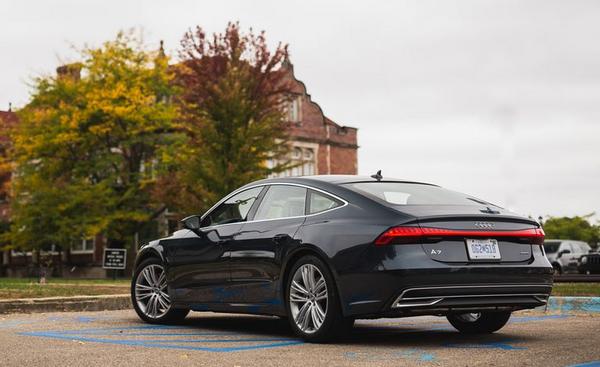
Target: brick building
<point x="319" y="146"/>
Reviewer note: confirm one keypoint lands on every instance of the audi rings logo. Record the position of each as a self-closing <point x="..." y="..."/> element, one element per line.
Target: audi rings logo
<point x="484" y="225"/>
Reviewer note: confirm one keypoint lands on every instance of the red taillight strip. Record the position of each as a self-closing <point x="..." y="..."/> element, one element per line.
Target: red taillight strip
<point x="418" y="232"/>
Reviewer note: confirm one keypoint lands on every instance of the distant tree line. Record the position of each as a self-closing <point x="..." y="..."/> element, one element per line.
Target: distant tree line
<point x="123" y="133"/>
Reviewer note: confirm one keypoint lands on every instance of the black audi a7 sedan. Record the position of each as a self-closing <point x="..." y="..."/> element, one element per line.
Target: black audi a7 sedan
<point x="323" y="251"/>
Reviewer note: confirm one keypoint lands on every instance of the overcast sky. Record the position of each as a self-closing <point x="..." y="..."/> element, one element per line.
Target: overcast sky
<point x="500" y="99"/>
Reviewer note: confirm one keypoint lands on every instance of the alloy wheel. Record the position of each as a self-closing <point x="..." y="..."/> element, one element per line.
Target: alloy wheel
<point x="151" y="291"/>
<point x="308" y="298"/>
<point x="469" y="317"/>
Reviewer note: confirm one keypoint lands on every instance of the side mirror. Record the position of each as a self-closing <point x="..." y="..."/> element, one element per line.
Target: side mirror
<point x="192" y="223"/>
<point x="564" y="252"/>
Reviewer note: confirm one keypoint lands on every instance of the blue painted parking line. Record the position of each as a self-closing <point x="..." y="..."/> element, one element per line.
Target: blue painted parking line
<point x="504" y="345"/>
<point x="193" y="338"/>
<point x="517" y="319"/>
<point x="129" y="336"/>
<point x="572" y="304"/>
<point x="411" y="355"/>
<point x="13" y="323"/>
<point x="587" y="364"/>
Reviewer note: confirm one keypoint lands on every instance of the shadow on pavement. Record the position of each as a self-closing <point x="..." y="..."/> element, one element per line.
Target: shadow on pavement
<point x="368" y="332"/>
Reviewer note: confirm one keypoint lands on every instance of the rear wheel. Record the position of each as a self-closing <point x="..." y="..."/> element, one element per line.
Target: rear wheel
<point x="312" y="302"/>
<point x="149" y="294"/>
<point x="480" y="322"/>
<point x="557" y="268"/>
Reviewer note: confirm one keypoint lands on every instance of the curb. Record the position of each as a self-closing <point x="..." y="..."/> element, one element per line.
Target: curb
<point x="58" y="304"/>
<point x="574" y="304"/>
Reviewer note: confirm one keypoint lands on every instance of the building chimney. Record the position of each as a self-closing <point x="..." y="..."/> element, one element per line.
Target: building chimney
<point x="286" y="63"/>
<point x="69" y="71"/>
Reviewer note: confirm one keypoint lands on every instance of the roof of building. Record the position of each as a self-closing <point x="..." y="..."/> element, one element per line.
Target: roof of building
<point x="8" y="119"/>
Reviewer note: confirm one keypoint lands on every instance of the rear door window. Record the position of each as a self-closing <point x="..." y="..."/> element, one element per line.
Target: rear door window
<point x="566" y="246"/>
<point x="282" y="201"/>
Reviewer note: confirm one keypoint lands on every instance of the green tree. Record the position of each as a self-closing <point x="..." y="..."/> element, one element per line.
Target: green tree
<point x="232" y="93"/>
<point x="87" y="149"/>
<point x="572" y="228"/>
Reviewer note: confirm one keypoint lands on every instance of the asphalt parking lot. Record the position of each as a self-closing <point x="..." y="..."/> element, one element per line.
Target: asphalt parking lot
<point x="113" y="338"/>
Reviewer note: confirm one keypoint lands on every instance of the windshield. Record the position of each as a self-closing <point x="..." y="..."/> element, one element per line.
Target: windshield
<point x="402" y="193"/>
<point x="551" y="247"/>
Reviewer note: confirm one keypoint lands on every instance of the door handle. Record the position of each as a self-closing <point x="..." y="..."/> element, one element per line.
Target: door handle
<point x="225" y="239"/>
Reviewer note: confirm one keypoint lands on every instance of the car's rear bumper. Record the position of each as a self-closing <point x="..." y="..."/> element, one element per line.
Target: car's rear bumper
<point x="480" y="296"/>
<point x="424" y="286"/>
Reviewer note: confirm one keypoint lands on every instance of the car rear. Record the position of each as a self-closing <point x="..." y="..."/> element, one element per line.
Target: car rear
<point x="589" y="264"/>
<point x="455" y="253"/>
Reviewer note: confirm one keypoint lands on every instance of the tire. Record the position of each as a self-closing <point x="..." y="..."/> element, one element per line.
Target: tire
<point x="557" y="269"/>
<point x="484" y="323"/>
<point x="151" y="285"/>
<point x="313" y="315"/>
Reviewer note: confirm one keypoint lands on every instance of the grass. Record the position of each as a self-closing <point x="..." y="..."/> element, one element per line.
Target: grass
<point x="13" y="288"/>
<point x="576" y="289"/>
<point x="4" y="281"/>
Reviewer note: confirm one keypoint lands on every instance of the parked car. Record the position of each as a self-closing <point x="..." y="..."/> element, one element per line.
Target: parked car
<point x="323" y="251"/>
<point x="589" y="264"/>
<point x="564" y="255"/>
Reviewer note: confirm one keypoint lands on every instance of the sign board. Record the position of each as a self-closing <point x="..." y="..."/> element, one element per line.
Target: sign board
<point x="114" y="258"/>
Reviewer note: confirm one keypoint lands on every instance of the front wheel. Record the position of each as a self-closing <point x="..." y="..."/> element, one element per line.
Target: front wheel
<point x="480" y="322"/>
<point x="149" y="294"/>
<point x="312" y="302"/>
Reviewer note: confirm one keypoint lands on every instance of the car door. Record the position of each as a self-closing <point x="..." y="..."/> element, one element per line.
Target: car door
<point x="257" y="252"/>
<point x="580" y="250"/>
<point x="567" y="259"/>
<point x="197" y="268"/>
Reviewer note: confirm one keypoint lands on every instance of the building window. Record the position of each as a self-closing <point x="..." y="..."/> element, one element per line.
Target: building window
<point x="84" y="245"/>
<point x="303" y="160"/>
<point x="294" y="110"/>
<point x="297" y="153"/>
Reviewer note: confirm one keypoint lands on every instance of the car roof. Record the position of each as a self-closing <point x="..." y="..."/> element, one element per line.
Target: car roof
<point x="335" y="179"/>
<point x="559" y="240"/>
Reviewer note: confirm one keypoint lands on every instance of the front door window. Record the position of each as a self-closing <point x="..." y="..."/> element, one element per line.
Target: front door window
<point x="233" y="210"/>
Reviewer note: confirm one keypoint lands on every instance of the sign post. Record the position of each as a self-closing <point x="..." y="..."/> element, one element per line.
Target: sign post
<point x="114" y="258"/>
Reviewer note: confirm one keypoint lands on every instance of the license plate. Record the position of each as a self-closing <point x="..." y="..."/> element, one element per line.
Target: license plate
<point x="483" y="249"/>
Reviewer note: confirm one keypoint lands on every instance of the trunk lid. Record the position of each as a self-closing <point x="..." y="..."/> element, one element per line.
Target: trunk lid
<point x="472" y="222"/>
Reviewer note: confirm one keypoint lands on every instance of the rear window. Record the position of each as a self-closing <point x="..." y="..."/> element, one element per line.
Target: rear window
<point x="402" y="193"/>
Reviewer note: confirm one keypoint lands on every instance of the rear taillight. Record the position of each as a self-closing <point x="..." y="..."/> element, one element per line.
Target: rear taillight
<point x="406" y="234"/>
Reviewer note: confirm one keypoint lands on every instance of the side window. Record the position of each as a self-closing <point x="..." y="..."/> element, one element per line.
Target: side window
<point x="319" y="202"/>
<point x="566" y="246"/>
<point x="282" y="201"/>
<point x="235" y="209"/>
<point x="583" y="248"/>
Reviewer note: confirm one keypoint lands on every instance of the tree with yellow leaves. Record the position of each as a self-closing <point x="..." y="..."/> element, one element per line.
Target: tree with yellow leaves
<point x="90" y="145"/>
